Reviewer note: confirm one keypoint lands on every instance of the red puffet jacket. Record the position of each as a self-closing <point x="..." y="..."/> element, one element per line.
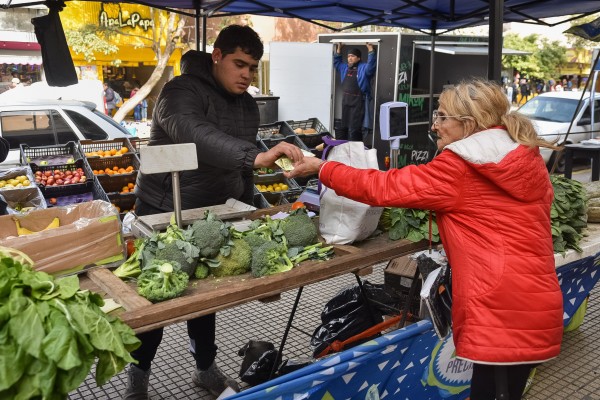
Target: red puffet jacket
<point x="492" y="200"/>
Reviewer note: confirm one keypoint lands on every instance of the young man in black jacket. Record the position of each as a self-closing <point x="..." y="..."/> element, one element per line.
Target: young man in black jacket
<point x="207" y="105"/>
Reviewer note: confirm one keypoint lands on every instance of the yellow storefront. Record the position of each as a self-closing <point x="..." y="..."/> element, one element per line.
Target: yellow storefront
<point x="134" y="61"/>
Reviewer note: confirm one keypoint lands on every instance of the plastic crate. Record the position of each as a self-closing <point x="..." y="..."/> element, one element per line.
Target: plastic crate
<point x="275" y="178"/>
<point x="285" y="134"/>
<point x="56" y="191"/>
<point x="302" y="181"/>
<point x="292" y="196"/>
<point x="123" y="202"/>
<point x="137" y="143"/>
<point x="89" y="146"/>
<point x="260" y="201"/>
<point x="79" y="194"/>
<point x="54" y="155"/>
<point x="126" y="160"/>
<point x="311" y="140"/>
<point x="116" y="183"/>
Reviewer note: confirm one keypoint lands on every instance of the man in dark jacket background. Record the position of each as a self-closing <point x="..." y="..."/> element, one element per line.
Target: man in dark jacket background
<point x="207" y="105"/>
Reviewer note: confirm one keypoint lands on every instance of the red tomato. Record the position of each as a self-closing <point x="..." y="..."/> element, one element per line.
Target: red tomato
<point x="297" y="205"/>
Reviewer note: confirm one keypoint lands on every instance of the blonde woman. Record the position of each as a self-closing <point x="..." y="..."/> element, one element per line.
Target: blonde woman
<point x="492" y="195"/>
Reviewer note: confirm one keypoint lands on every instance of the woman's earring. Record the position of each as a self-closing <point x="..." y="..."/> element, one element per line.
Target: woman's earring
<point x="215" y="61"/>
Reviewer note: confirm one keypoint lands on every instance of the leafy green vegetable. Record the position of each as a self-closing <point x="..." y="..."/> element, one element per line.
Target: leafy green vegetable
<point x="209" y="234"/>
<point x="132" y="267"/>
<point x="313" y="252"/>
<point x="408" y="223"/>
<point x="51" y="332"/>
<point x="568" y="213"/>
<point x="162" y="280"/>
<point x="270" y="258"/>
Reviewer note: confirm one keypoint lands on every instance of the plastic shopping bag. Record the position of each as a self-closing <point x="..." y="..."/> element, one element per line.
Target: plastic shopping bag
<point x="341" y="220"/>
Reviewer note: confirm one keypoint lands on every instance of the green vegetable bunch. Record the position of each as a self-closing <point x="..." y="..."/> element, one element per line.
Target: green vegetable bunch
<point x="51" y="332"/>
<point x="235" y="260"/>
<point x="568" y="213"/>
<point x="270" y="258"/>
<point x="162" y="280"/>
<point x="299" y="229"/>
<point x="408" y="223"/>
<point x="132" y="267"/>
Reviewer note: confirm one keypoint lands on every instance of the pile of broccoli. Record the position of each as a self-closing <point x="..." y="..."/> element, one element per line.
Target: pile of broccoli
<point x="162" y="280"/>
<point x="211" y="247"/>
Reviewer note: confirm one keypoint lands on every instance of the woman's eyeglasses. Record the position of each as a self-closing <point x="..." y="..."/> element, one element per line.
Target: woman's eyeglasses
<point x="439" y="119"/>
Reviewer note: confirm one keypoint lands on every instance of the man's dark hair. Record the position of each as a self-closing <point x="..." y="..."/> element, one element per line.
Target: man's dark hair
<point x="244" y="37"/>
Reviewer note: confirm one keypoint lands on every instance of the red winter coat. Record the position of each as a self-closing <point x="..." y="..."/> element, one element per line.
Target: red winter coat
<point x="492" y="199"/>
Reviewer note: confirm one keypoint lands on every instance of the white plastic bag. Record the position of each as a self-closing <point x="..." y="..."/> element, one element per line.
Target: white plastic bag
<point x="341" y="220"/>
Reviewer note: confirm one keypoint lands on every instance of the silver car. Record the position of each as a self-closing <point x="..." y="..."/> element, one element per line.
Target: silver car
<point x="552" y="113"/>
<point x="51" y="122"/>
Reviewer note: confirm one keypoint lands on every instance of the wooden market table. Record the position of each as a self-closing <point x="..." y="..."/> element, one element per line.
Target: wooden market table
<point x="211" y="295"/>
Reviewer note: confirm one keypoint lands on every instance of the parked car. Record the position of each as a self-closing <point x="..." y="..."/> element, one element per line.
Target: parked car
<point x="552" y="113"/>
<point x="51" y="122"/>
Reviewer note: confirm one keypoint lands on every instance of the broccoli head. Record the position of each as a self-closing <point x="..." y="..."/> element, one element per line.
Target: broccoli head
<point x="270" y="258"/>
<point x="254" y="240"/>
<point x="182" y="252"/>
<point x="299" y="229"/>
<point x="238" y="260"/>
<point x="162" y="280"/>
<point x="202" y="271"/>
<point x="209" y="234"/>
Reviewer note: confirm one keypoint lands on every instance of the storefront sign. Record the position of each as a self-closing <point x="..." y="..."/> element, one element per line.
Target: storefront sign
<point x="134" y="20"/>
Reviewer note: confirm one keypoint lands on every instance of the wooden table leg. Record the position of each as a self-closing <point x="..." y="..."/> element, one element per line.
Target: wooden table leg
<point x="568" y="154"/>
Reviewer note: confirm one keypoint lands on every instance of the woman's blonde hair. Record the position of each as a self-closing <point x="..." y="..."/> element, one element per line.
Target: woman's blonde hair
<point x="482" y="104"/>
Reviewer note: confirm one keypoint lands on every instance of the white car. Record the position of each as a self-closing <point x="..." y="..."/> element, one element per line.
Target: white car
<point x="552" y="113"/>
<point x="51" y="122"/>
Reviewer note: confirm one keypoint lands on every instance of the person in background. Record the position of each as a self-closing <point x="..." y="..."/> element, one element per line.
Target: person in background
<point x="491" y="193"/>
<point x="109" y="95"/>
<point x="144" y="113"/>
<point x="356" y="87"/>
<point x="137" y="110"/>
<point x="206" y="105"/>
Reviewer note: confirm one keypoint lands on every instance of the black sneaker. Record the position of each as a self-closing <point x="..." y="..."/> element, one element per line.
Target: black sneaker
<point x="137" y="384"/>
<point x="214" y="380"/>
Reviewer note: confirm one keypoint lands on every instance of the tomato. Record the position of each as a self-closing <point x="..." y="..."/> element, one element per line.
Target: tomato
<point x="297" y="205"/>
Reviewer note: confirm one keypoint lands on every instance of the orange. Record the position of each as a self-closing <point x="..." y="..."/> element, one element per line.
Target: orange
<point x="130" y="185"/>
<point x="124" y="150"/>
<point x="129" y="168"/>
<point x="125" y="189"/>
<point x="115" y="168"/>
<point x="113" y="152"/>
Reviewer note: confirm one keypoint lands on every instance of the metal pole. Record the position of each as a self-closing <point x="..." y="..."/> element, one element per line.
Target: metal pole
<point x="197" y="19"/>
<point x="176" y="198"/>
<point x="431" y="78"/>
<point x="204" y="32"/>
<point x="495" y="41"/>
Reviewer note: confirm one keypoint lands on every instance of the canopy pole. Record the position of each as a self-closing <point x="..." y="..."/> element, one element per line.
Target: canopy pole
<point x="431" y="72"/>
<point x="495" y="41"/>
<point x="197" y="19"/>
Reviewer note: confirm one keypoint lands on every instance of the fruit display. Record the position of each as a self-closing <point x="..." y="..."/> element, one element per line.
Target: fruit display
<point x="112" y="152"/>
<point x="115" y="170"/>
<point x="307" y="131"/>
<point x="16" y="182"/>
<point x="51" y="160"/>
<point x="59" y="177"/>
<point x="275" y="187"/>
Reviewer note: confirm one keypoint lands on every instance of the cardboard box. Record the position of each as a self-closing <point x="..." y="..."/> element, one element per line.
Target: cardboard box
<point x="398" y="277"/>
<point x="89" y="234"/>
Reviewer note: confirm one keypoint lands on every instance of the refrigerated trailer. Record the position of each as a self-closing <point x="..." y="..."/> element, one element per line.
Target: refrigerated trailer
<point x="303" y="76"/>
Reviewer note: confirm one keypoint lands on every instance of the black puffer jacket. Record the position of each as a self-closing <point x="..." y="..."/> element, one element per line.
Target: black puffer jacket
<point x="193" y="108"/>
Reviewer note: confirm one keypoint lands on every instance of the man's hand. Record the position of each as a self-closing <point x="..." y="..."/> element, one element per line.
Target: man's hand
<point x="369" y="47"/>
<point x="308" y="166"/>
<point x="268" y="158"/>
<point x="338" y="48"/>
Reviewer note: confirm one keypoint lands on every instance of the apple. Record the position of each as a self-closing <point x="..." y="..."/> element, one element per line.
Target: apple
<point x="60" y="181"/>
<point x="38" y="173"/>
<point x="70" y="161"/>
<point x="52" y="200"/>
<point x="75" y="180"/>
<point x="68" y="172"/>
<point x="48" y="173"/>
<point x="44" y="162"/>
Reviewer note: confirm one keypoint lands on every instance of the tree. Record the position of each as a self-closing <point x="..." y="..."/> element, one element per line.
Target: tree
<point x="166" y="36"/>
<point x="543" y="62"/>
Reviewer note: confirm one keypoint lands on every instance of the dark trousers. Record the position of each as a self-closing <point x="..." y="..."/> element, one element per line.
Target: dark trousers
<point x="352" y="121"/>
<point x="201" y="330"/>
<point x="483" y="383"/>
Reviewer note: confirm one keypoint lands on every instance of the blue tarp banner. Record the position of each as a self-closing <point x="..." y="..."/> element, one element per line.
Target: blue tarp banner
<point x="408" y="364"/>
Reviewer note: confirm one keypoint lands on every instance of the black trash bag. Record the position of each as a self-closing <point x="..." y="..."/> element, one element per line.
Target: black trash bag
<point x="292" y="365"/>
<point x="346" y="315"/>
<point x="259" y="358"/>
